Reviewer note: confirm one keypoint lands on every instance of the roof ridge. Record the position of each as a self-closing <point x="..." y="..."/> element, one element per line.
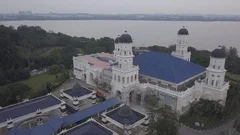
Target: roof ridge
<point x="174" y="74"/>
<point x="50" y="124"/>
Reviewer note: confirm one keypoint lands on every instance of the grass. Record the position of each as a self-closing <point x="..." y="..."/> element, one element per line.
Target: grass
<point x="47" y="51"/>
<point x="36" y="82"/>
<point x="233" y="77"/>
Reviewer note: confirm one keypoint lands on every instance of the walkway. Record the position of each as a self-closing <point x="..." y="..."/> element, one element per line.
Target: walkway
<point x="188" y="131"/>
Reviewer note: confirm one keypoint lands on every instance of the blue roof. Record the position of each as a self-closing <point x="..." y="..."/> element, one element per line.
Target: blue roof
<point x="166" y="67"/>
<point x="48" y="128"/>
<point x="28" y="107"/>
<point x="89" y="128"/>
<point x="133" y="118"/>
<point x="77" y="91"/>
<point x="81" y="115"/>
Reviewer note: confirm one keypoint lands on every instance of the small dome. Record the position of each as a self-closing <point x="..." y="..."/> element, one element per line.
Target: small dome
<point x="125" y="111"/>
<point x="77" y="87"/>
<point x="125" y="38"/>
<point x="183" y="31"/>
<point x="219" y="53"/>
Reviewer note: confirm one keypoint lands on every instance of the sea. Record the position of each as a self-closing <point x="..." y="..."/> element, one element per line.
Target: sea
<point x="203" y="35"/>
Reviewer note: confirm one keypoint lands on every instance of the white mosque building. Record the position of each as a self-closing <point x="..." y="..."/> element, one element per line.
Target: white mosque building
<point x="172" y="78"/>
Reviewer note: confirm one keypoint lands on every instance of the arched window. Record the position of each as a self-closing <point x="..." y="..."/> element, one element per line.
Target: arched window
<point x="118" y="78"/>
<point x="131" y="78"/>
<point x="135" y="77"/>
<point x="214" y="66"/>
<point x="212" y="82"/>
<point x="115" y="77"/>
<point x="127" y="79"/>
<point x="218" y="67"/>
<point x="123" y="79"/>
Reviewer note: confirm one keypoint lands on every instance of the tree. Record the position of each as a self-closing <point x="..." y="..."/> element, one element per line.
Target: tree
<point x="13" y="93"/>
<point x="159" y="115"/>
<point x="236" y="124"/>
<point x="163" y="121"/>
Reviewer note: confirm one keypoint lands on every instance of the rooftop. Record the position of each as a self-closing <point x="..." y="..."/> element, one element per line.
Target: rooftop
<point x="27" y="107"/>
<point x="77" y="91"/>
<point x="48" y="128"/>
<point x="125" y="115"/>
<point x="100" y="60"/>
<point x="81" y="115"/>
<point x="166" y="67"/>
<point x="89" y="128"/>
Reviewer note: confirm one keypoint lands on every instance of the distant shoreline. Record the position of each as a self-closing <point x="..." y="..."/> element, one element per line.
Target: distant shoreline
<point x="118" y="20"/>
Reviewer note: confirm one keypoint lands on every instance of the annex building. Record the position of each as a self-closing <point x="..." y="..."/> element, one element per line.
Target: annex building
<point x="172" y="78"/>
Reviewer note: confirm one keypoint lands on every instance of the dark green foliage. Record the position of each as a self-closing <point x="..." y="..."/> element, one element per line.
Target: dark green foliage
<point x="13" y="93"/>
<point x="156" y="48"/>
<point x="206" y="108"/>
<point x="31" y="39"/>
<point x="54" y="69"/>
<point x="13" y="75"/>
<point x="211" y="113"/>
<point x="236" y="124"/>
<point x="159" y="115"/>
<point x="163" y="121"/>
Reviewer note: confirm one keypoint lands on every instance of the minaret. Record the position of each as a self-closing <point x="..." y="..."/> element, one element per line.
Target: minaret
<point x="216" y="70"/>
<point x="182" y="45"/>
<point x="124" y="73"/>
<point x="215" y="87"/>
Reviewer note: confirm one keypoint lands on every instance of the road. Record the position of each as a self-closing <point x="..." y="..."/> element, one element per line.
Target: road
<point x="189" y="131"/>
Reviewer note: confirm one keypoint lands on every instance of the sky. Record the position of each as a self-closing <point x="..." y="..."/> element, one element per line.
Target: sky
<point x="123" y="6"/>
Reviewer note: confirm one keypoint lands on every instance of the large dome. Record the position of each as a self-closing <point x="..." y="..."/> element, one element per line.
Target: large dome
<point x="125" y="38"/>
<point x="183" y="31"/>
<point x="219" y="53"/>
<point x="125" y="111"/>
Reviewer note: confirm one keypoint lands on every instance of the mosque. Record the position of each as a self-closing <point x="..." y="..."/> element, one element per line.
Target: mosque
<point x="172" y="78"/>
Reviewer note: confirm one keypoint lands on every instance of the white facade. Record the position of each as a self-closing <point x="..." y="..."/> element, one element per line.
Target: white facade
<point x="124" y="74"/>
<point x="215" y="87"/>
<point x="126" y="81"/>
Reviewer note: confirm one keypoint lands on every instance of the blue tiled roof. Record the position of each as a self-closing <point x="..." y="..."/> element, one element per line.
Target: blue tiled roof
<point x="166" y="67"/>
<point x="48" y="128"/>
<point x="133" y="118"/>
<point x="81" y="115"/>
<point x="77" y="91"/>
<point x="28" y="107"/>
<point x="89" y="128"/>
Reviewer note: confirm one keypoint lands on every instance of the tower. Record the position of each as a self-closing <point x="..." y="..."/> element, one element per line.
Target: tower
<point x="216" y="70"/>
<point x="182" y="45"/>
<point x="215" y="87"/>
<point x="124" y="73"/>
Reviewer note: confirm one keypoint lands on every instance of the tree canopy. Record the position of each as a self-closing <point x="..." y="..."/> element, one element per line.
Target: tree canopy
<point x="22" y="49"/>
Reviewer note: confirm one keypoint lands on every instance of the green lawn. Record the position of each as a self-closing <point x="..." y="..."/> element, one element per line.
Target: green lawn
<point x="233" y="77"/>
<point x="36" y="82"/>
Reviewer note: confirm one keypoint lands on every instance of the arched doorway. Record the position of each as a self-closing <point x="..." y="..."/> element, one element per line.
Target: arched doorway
<point x="119" y="94"/>
<point x="91" y="77"/>
<point x="131" y="97"/>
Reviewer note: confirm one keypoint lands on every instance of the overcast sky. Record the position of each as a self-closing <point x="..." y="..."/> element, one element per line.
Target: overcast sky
<point x="123" y="6"/>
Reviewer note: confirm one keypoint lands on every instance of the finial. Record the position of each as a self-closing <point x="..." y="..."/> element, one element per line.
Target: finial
<point x="183" y="26"/>
<point x="125" y="31"/>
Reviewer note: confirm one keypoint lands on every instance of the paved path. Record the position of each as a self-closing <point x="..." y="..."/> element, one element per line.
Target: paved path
<point x="188" y="131"/>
